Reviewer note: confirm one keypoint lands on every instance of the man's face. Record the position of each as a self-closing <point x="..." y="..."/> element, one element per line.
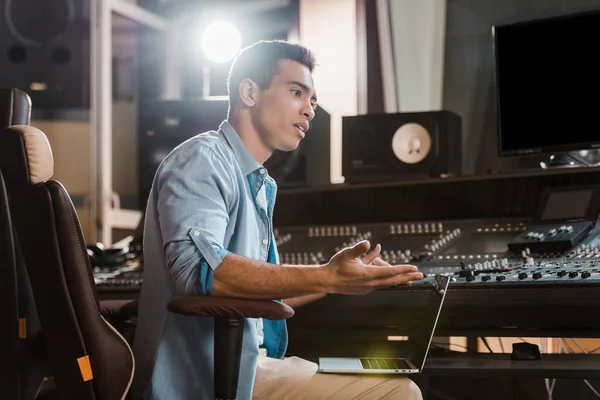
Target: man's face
<point x="284" y="110"/>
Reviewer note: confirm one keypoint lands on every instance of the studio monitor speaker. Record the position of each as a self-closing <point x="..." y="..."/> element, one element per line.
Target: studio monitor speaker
<point x="401" y="146"/>
<point x="44" y="51"/>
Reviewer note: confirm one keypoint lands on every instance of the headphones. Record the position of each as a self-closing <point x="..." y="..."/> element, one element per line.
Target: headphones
<point x="102" y="257"/>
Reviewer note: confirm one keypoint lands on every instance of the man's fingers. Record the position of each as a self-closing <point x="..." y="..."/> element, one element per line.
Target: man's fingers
<point x="372" y="255"/>
<point x="402" y="279"/>
<point x="379" y="262"/>
<point x="358" y="249"/>
<point x="383" y="272"/>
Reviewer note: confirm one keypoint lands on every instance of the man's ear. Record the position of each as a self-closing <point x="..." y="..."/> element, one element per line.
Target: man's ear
<point x="248" y="91"/>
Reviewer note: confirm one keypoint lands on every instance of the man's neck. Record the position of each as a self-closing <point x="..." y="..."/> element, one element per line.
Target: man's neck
<point x="250" y="137"/>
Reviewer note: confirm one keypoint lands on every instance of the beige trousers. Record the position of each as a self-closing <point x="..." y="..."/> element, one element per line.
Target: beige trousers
<point x="294" y="378"/>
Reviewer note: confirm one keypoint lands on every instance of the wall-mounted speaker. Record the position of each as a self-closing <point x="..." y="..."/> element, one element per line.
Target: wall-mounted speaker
<point x="401" y="146"/>
<point x="44" y="51"/>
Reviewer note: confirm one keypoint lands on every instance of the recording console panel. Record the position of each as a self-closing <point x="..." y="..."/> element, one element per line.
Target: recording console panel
<point x="559" y="245"/>
<point x="493" y="290"/>
<point x="474" y="251"/>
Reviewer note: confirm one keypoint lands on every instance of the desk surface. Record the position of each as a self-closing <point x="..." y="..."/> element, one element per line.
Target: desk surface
<point x="485" y="364"/>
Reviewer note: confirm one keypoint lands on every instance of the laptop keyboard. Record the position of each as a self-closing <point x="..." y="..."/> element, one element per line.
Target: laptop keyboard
<point x="384" y="363"/>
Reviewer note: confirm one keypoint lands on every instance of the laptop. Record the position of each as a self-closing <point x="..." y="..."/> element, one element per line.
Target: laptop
<point x="413" y="351"/>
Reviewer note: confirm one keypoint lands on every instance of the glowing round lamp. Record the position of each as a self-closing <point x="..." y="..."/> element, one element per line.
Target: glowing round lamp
<point x="221" y="41"/>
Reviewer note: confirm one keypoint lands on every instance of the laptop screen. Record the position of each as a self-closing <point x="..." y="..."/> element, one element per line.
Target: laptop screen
<point x="423" y="327"/>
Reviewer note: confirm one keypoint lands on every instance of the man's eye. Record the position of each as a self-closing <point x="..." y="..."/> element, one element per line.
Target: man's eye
<point x="314" y="106"/>
<point x="296" y="92"/>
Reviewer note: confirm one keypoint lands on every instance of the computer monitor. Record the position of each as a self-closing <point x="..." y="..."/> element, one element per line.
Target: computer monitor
<point x="548" y="84"/>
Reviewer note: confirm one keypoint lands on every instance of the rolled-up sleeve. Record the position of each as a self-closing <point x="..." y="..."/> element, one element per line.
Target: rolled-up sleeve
<point x="195" y="189"/>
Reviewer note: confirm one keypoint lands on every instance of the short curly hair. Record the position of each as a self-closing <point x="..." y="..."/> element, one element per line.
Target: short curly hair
<point x="259" y="62"/>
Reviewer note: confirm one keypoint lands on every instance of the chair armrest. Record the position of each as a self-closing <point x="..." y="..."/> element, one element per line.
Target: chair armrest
<point x="214" y="306"/>
<point x="118" y="308"/>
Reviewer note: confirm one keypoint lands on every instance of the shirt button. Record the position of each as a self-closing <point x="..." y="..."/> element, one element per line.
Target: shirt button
<point x="265" y="241"/>
<point x="262" y="171"/>
<point x="196" y="233"/>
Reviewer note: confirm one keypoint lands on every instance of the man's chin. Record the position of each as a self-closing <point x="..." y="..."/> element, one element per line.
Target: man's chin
<point x="289" y="146"/>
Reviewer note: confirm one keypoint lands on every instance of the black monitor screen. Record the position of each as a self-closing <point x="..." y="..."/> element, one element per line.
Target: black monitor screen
<point x="548" y="84"/>
<point x="565" y="205"/>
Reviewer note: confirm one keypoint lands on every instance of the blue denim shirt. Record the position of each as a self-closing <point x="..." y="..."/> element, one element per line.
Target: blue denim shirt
<point x="207" y="200"/>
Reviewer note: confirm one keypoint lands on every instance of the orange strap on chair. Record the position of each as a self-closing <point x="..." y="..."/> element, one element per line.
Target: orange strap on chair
<point x="86" y="368"/>
<point x="22" y="328"/>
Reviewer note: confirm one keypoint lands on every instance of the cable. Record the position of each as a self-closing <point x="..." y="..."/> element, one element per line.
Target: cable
<point x="486" y="344"/>
<point x="592" y="388"/>
<point x="501" y="344"/>
<point x="579" y="345"/>
<point x="561" y="347"/>
<point x="441" y="345"/>
<point x="568" y="347"/>
<point x="549" y="389"/>
<point x="595" y="349"/>
<point x="547" y="382"/>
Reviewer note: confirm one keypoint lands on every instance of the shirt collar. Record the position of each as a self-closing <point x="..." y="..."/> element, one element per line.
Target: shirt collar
<point x="247" y="163"/>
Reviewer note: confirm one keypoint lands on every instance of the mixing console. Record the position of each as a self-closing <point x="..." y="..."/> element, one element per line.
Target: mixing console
<point x="126" y="280"/>
<point x="473" y="252"/>
<point x="559" y="245"/>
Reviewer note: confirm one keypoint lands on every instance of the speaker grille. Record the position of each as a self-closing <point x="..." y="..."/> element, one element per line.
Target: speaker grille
<point x="38" y="22"/>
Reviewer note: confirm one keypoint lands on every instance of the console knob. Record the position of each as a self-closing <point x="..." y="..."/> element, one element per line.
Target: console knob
<point x="528" y="260"/>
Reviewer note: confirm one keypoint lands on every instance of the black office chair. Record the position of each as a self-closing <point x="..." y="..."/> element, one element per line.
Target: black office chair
<point x="15" y="107"/>
<point x="89" y="358"/>
<point x="9" y="295"/>
<point x="22" y="367"/>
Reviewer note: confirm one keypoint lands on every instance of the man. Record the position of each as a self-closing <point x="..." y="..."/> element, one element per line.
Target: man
<point x="208" y="232"/>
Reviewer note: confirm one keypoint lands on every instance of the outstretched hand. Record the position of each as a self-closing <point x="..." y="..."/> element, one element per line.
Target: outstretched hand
<point x="349" y="274"/>
<point x="372" y="257"/>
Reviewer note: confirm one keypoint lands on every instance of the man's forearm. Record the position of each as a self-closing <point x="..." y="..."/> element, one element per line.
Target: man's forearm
<point x="239" y="276"/>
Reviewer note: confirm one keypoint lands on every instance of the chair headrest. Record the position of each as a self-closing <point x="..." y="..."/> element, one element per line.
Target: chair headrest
<point x="25" y="155"/>
<point x="15" y="108"/>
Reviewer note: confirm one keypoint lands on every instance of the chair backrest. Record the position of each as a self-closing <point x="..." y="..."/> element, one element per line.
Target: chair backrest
<point x="15" y="107"/>
<point x="88" y="357"/>
<point x="9" y="295"/>
<point x="22" y="369"/>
